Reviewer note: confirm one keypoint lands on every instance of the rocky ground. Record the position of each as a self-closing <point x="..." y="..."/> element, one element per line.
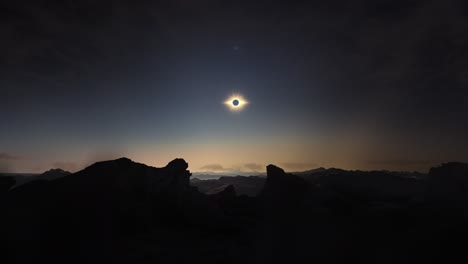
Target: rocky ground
<point x="120" y="211"/>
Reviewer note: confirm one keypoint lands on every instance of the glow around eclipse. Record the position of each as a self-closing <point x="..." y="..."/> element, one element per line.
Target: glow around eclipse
<point x="236" y="102"/>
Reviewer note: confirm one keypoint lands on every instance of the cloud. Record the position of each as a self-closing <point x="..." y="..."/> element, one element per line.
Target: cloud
<point x="297" y="166"/>
<point x="213" y="167"/>
<point x="6" y="156"/>
<point x="68" y="166"/>
<point x="254" y="166"/>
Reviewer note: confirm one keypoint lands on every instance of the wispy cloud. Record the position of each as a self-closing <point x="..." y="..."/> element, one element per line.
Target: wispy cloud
<point x="6" y="156"/>
<point x="214" y="167"/>
<point x="254" y="166"/>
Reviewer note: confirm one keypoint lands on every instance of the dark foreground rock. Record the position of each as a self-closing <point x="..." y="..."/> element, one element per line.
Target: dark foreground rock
<point x="6" y="183"/>
<point x="120" y="211"/>
<point x="110" y="212"/>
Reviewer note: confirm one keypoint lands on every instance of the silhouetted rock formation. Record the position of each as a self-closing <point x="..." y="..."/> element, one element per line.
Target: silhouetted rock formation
<point x="119" y="211"/>
<point x="283" y="190"/>
<point x="103" y="204"/>
<point x="448" y="185"/>
<point x="54" y="174"/>
<point x="281" y="184"/>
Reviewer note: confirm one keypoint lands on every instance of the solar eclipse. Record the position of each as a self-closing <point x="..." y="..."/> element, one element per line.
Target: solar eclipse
<point x="236" y="102"/>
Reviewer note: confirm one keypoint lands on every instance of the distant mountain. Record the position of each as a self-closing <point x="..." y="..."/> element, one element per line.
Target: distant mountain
<point x="370" y="185"/>
<point x="244" y="185"/>
<point x="216" y="175"/>
<point x="307" y="172"/>
<point x="53" y="174"/>
<point x="377" y="183"/>
<point x="203" y="176"/>
<point x="49" y="175"/>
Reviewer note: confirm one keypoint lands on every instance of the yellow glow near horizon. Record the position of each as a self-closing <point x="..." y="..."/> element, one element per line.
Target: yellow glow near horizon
<point x="236" y="102"/>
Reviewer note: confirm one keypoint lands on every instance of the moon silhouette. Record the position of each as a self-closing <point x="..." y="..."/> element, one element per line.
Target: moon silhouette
<point x="236" y="103"/>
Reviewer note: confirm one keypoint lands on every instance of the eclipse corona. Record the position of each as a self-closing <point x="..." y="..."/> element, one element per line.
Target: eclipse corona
<point x="236" y="102"/>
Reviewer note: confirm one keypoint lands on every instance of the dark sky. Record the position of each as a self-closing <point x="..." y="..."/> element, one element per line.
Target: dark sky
<point x="359" y="84"/>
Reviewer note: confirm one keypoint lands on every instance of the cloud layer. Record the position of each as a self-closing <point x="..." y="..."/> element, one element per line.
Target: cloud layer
<point x="213" y="167"/>
<point x="6" y="156"/>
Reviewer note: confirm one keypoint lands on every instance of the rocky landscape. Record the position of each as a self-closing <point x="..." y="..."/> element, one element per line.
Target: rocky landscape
<point x="120" y="211"/>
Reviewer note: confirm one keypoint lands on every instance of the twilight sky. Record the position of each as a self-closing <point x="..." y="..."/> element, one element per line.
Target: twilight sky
<point x="359" y="84"/>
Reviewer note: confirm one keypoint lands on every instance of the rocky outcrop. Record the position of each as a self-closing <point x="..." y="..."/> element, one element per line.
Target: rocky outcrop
<point x="281" y="187"/>
<point x="244" y="185"/>
<point x="123" y="177"/>
<point x="455" y="173"/>
<point x="449" y="182"/>
<point x="105" y="202"/>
